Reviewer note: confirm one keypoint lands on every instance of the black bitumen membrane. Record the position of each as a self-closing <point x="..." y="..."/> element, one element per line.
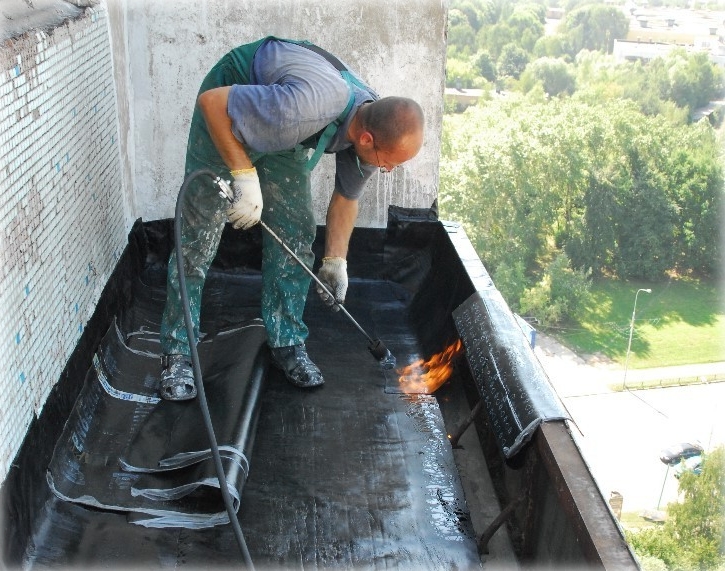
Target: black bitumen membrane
<point x="352" y="475"/>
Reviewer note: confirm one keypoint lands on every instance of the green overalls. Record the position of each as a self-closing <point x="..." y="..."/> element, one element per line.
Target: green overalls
<point x="285" y="181"/>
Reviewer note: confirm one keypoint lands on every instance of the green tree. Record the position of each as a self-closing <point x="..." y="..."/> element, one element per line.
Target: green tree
<point x="599" y="77"/>
<point x="491" y="177"/>
<point x="479" y="12"/>
<point x="555" y="76"/>
<point x="629" y="221"/>
<point x="594" y="27"/>
<point x="495" y="38"/>
<point x="511" y="281"/>
<point x="554" y="45"/>
<point x="511" y="173"/>
<point x="697" y="522"/>
<point x="484" y="65"/>
<point x="561" y="293"/>
<point x="593" y="241"/>
<point x="647" y="221"/>
<point x="696" y="191"/>
<point x="462" y="74"/>
<point x="527" y="26"/>
<point x="512" y="61"/>
<point x="691" y="538"/>
<point x="476" y="17"/>
<point x="571" y="5"/>
<point x="461" y="36"/>
<point x="692" y="79"/>
<point x="620" y="192"/>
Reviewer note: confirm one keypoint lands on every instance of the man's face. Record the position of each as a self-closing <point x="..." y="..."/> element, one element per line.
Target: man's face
<point x="387" y="159"/>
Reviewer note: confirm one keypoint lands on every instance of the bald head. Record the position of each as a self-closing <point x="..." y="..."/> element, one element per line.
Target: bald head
<point x="392" y="120"/>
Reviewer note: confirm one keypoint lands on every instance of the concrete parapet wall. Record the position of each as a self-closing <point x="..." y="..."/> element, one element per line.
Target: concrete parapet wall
<point x="397" y="46"/>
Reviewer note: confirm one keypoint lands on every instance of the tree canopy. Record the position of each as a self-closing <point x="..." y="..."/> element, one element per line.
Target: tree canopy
<point x="582" y="158"/>
<point x="594" y="27"/>
<point x="619" y="192"/>
<point x="692" y="536"/>
<point x="495" y="40"/>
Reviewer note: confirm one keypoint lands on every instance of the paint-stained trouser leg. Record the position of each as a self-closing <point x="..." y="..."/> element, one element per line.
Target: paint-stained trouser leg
<point x="204" y="215"/>
<point x="285" y="182"/>
<point x="204" y="211"/>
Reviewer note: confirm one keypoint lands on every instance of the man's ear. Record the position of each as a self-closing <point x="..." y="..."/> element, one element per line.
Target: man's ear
<point x="366" y="139"/>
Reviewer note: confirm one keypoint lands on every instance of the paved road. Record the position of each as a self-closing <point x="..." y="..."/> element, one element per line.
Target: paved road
<point x="622" y="433"/>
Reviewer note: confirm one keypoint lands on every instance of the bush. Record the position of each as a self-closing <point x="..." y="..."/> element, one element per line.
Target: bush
<point x="649" y="563"/>
<point x="510" y="279"/>
<point x="461" y="73"/>
<point x="555" y="76"/>
<point x="560" y="294"/>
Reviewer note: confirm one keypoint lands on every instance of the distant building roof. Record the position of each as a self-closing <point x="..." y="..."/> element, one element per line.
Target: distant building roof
<point x="674" y="25"/>
<point x="628" y="50"/>
<point x="463" y="97"/>
<point x="654" y="32"/>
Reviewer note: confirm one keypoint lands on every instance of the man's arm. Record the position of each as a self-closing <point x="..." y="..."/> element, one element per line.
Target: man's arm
<point x="213" y="106"/>
<point x="341" y="216"/>
<point x="246" y="208"/>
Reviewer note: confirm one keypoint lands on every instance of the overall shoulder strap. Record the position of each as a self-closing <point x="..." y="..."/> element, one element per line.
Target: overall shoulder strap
<point x="330" y="130"/>
<point x="336" y="63"/>
<point x="351" y="80"/>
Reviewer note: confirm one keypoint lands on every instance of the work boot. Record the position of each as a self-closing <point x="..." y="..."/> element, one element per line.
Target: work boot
<point x="177" y="378"/>
<point x="297" y="366"/>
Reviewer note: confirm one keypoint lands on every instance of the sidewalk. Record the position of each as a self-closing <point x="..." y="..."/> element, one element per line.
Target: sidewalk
<point x="572" y="375"/>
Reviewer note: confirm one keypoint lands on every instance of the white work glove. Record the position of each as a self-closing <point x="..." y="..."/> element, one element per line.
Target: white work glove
<point x="333" y="274"/>
<point x="246" y="209"/>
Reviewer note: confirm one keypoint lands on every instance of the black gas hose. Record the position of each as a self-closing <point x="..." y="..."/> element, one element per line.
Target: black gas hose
<point x="228" y="504"/>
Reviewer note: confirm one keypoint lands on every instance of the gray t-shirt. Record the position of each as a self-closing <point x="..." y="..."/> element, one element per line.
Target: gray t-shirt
<point x="294" y="94"/>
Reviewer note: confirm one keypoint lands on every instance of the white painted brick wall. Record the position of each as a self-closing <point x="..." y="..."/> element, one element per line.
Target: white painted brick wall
<point x="62" y="226"/>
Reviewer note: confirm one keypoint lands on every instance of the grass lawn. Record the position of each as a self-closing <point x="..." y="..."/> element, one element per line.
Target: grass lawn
<point x="635" y="522"/>
<point x="680" y="322"/>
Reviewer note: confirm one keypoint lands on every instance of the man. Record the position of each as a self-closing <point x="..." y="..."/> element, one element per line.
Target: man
<point x="259" y="111"/>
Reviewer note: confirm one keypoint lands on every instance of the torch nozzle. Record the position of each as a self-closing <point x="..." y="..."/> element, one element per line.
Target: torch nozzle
<point x="382" y="354"/>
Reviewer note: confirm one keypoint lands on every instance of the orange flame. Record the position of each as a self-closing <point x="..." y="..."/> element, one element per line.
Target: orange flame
<point x="427" y="376"/>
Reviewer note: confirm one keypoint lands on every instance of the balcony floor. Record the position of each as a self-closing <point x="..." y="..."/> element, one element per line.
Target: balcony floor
<point x="353" y="475"/>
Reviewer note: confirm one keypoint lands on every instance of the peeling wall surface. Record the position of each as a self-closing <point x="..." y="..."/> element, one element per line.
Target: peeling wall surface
<point x="19" y="16"/>
<point x="95" y="109"/>
<point x="398" y="46"/>
<point x="63" y="216"/>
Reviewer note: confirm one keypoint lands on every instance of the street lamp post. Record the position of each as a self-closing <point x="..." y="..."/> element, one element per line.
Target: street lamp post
<point x="662" y="491"/>
<point x="631" y="330"/>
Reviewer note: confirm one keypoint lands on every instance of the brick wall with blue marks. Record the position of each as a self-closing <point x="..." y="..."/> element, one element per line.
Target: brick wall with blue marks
<point x="62" y="226"/>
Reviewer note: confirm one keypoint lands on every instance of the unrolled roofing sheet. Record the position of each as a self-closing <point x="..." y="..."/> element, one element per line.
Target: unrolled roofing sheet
<point x="125" y="449"/>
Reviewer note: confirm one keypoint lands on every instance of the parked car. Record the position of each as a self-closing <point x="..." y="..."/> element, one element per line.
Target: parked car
<point x="691" y="464"/>
<point x="678" y="452"/>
